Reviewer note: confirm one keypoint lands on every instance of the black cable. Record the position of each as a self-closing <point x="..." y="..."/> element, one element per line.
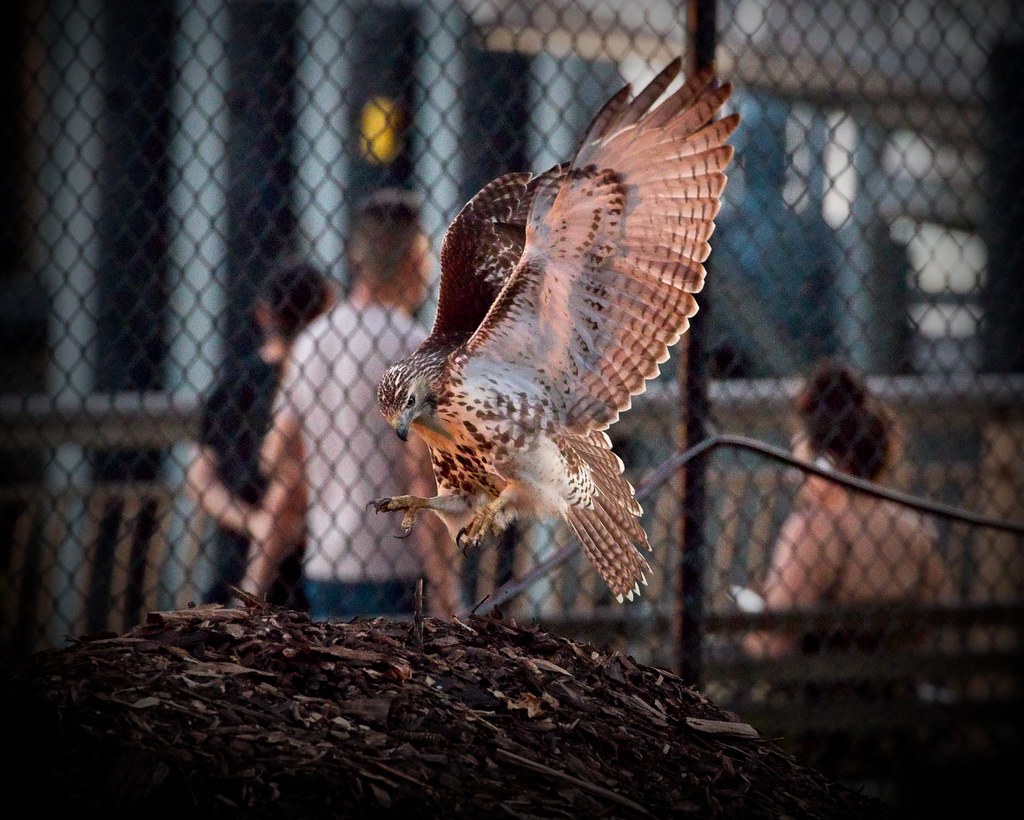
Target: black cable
<point x="673" y="464"/>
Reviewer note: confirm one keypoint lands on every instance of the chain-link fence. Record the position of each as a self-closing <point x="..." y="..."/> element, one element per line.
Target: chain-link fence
<point x="163" y="157"/>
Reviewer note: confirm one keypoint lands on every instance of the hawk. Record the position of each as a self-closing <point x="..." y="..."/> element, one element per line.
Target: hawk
<point x="560" y="295"/>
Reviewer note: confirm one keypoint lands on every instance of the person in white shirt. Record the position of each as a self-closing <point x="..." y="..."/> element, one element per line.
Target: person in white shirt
<point x="330" y="452"/>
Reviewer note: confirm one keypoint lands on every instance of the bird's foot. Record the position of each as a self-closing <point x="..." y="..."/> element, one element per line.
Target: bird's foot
<point x="412" y="504"/>
<point x="480" y="526"/>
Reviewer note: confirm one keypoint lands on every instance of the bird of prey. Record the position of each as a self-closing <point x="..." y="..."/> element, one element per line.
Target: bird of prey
<point x="560" y="295"/>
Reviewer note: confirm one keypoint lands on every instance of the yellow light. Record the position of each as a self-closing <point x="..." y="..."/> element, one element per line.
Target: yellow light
<point x="380" y="127"/>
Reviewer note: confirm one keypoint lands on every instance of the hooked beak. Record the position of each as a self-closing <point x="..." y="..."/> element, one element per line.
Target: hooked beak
<point x="402" y="426"/>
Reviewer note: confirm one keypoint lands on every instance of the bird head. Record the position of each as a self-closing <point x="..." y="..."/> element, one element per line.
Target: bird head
<point x="405" y="399"/>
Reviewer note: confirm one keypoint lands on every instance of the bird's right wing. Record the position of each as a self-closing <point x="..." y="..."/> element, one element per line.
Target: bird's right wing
<point x="481" y="248"/>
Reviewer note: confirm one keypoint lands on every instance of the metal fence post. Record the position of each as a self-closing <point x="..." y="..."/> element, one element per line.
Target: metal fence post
<point x="694" y="392"/>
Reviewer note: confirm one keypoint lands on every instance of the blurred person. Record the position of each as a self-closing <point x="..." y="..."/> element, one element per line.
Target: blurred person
<point x="224" y="477"/>
<point x="329" y="437"/>
<point x="840" y="546"/>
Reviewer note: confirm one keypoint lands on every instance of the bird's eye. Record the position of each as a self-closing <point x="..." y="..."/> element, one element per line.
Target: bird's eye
<point x="411" y="400"/>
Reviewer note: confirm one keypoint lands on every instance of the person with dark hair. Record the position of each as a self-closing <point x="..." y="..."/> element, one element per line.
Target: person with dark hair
<point x="224" y="477"/>
<point x="840" y="546"/>
<point x="329" y="442"/>
<point x="842" y="424"/>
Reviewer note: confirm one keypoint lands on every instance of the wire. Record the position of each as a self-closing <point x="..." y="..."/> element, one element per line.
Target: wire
<point x="664" y="471"/>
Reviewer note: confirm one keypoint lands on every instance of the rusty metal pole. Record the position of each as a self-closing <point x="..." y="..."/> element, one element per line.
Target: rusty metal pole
<point x="693" y="391"/>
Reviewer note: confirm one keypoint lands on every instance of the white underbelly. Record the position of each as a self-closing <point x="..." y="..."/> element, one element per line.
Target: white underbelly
<point x="538" y="476"/>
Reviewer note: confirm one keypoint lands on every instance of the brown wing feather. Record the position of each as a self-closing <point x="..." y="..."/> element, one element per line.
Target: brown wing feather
<point x="624" y="109"/>
<point x="480" y="250"/>
<point x="614" y="249"/>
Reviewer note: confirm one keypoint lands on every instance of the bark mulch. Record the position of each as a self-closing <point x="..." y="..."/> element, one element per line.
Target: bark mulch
<point x="262" y="713"/>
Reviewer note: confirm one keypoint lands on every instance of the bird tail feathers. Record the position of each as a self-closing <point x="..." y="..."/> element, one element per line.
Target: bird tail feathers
<point x="608" y="526"/>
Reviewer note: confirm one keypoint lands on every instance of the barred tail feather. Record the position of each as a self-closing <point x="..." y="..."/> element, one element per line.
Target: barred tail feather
<point x="609" y="527"/>
<point x="611" y="552"/>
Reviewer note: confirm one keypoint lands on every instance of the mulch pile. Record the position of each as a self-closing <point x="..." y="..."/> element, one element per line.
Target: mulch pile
<point x="262" y="713"/>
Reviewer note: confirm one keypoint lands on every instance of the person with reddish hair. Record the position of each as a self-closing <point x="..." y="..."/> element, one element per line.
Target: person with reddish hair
<point x="840" y="546"/>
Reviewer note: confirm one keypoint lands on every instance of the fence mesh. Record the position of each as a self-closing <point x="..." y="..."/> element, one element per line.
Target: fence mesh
<point x="163" y="158"/>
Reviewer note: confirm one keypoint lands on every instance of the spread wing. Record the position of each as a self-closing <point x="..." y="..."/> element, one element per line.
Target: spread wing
<point x="480" y="250"/>
<point x="614" y="249"/>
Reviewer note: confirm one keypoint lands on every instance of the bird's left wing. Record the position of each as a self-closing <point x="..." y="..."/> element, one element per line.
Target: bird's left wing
<point x="614" y="250"/>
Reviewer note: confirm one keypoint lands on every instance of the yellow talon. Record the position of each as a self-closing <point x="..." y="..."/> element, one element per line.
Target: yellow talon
<point x="410" y="503"/>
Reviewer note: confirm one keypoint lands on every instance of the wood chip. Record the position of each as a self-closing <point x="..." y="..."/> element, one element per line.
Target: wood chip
<point x="260" y="712"/>
<point x="722" y="727"/>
